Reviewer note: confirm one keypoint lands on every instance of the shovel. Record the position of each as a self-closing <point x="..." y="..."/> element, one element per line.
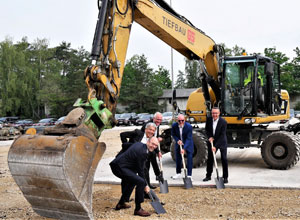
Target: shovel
<point x="163" y="184"/>
<point x="187" y="181"/>
<point x="219" y="181"/>
<point x="159" y="209"/>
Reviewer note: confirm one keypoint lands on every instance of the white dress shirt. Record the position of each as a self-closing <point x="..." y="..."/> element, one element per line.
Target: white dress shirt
<point x="180" y="131"/>
<point x="145" y="139"/>
<point x="215" y="123"/>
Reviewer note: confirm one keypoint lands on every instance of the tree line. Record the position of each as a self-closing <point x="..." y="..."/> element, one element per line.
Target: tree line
<point x="34" y="77"/>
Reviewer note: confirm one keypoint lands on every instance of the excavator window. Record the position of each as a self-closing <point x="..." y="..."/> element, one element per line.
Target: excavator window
<point x="238" y="87"/>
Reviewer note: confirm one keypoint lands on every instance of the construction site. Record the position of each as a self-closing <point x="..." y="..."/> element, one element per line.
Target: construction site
<point x="277" y="198"/>
<point x="63" y="170"/>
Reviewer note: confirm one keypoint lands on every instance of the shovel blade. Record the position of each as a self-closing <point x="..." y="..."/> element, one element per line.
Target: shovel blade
<point x="154" y="196"/>
<point x="219" y="183"/>
<point x="164" y="187"/>
<point x="187" y="183"/>
<point x="159" y="209"/>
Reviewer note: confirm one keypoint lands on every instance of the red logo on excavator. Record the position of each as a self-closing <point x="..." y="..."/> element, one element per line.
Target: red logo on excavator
<point x="191" y="36"/>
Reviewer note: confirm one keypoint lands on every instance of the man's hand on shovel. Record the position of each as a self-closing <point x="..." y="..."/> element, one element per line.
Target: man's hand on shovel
<point x="147" y="189"/>
<point x="160" y="178"/>
<point x="211" y="140"/>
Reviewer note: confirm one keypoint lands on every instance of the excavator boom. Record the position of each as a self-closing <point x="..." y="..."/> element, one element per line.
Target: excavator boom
<point x="55" y="170"/>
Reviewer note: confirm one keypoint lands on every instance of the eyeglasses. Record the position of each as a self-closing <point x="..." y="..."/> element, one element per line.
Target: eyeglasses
<point x="180" y="120"/>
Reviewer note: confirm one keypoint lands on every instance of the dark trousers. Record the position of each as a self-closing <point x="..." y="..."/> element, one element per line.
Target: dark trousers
<point x="210" y="162"/>
<point x="129" y="180"/>
<point x="179" y="161"/>
<point x="146" y="171"/>
<point x="151" y="159"/>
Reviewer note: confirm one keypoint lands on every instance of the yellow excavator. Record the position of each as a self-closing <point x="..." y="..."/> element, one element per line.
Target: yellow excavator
<point x="250" y="98"/>
<point x="55" y="169"/>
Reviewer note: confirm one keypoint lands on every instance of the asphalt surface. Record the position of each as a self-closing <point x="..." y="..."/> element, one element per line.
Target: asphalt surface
<point x="246" y="170"/>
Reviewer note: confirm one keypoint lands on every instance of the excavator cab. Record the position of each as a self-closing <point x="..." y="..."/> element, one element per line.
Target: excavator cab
<point x="251" y="87"/>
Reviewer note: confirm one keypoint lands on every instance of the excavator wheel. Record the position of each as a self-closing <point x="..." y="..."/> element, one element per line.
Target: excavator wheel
<point x="56" y="173"/>
<point x="281" y="150"/>
<point x="200" y="150"/>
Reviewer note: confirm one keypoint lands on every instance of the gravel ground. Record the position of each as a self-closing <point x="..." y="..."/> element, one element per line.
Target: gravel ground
<point x="196" y="203"/>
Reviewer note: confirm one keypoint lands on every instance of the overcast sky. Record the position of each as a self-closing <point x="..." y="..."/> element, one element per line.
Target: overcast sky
<point x="251" y="24"/>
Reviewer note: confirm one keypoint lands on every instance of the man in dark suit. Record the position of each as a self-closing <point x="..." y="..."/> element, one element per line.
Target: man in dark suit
<point x="157" y="119"/>
<point x="215" y="128"/>
<point x="130" y="137"/>
<point x="182" y="132"/>
<point x="126" y="166"/>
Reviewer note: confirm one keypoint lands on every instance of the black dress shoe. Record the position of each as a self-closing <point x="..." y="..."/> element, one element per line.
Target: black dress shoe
<point x="225" y="180"/>
<point x="206" y="179"/>
<point x="152" y="187"/>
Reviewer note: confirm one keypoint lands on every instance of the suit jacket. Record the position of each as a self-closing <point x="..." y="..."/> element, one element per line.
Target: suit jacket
<point x="133" y="159"/>
<point x="187" y="136"/>
<point x="130" y="137"/>
<point x="220" y="138"/>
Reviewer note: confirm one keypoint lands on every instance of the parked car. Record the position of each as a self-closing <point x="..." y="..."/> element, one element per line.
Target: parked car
<point x="117" y="116"/>
<point x="60" y="119"/>
<point x="46" y="122"/>
<point x="125" y="119"/>
<point x="137" y="117"/>
<point x="133" y="118"/>
<point x="43" y="123"/>
<point x="144" y="119"/>
<point x="7" y="120"/>
<point x="167" y="118"/>
<point x="297" y="114"/>
<point x="23" y="123"/>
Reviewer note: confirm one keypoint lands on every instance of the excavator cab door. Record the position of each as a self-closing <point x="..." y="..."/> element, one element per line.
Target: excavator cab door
<point x="274" y="101"/>
<point x="251" y="87"/>
<point x="238" y="93"/>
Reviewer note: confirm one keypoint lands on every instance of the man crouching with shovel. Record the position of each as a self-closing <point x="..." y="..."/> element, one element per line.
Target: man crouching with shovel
<point x="126" y="166"/>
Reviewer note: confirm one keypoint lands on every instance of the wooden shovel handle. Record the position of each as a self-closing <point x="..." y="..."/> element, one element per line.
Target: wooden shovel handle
<point x="215" y="160"/>
<point x="183" y="161"/>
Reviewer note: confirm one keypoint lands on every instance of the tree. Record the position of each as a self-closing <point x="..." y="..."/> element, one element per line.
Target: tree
<point x="289" y="78"/>
<point x="238" y="51"/>
<point x="192" y="71"/>
<point x="9" y="66"/>
<point x="278" y="57"/>
<point x="15" y="78"/>
<point x="162" y="77"/>
<point x="180" y="82"/>
<point x="140" y="89"/>
<point x="296" y="64"/>
<point x="69" y="82"/>
<point x="234" y="51"/>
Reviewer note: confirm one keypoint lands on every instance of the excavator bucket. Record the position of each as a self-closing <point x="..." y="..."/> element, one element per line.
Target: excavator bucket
<point x="55" y="173"/>
<point x="55" y="170"/>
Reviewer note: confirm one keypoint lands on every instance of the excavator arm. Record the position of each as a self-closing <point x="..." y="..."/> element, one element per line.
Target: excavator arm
<point x="55" y="170"/>
<point x="111" y="38"/>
